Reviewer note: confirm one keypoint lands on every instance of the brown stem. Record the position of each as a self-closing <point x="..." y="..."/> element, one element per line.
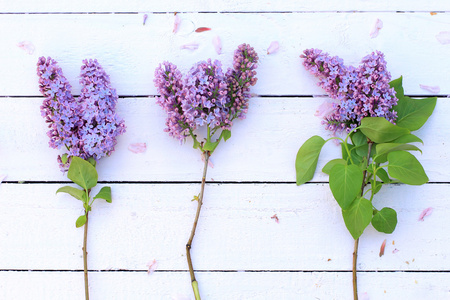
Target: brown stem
<point x="191" y="237"/>
<point x="86" y="283"/>
<point x="355" y="249"/>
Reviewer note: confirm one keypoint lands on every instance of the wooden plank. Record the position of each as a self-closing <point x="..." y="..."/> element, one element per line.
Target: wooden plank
<point x="263" y="147"/>
<point x="130" y="51"/>
<point x="255" y="286"/>
<point x="235" y="231"/>
<point x="223" y="6"/>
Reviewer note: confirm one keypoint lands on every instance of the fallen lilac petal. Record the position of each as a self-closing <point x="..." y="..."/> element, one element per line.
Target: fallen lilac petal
<point x="434" y="89"/>
<point x="145" y="19"/>
<point x="2" y="177"/>
<point x="191" y="46"/>
<point x="395" y="251"/>
<point x="217" y="44"/>
<point x="27" y="46"/>
<point x="425" y="212"/>
<point x="383" y="245"/>
<point x="176" y="23"/>
<point x="324" y="109"/>
<point x="152" y="266"/>
<point x="443" y="37"/>
<point x="274" y="47"/>
<point x="202" y="29"/>
<point x="376" y="28"/>
<point x="137" y="147"/>
<point x="364" y="296"/>
<point x="275" y="217"/>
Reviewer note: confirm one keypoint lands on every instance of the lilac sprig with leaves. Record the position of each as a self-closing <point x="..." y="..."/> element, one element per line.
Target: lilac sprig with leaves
<point x="378" y="120"/>
<point x="86" y="128"/>
<point x="205" y="96"/>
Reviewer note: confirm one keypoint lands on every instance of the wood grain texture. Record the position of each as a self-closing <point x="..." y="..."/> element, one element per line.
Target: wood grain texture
<point x="236" y="231"/>
<point x="232" y="285"/>
<point x="221" y="6"/>
<point x="263" y="147"/>
<point x="130" y="52"/>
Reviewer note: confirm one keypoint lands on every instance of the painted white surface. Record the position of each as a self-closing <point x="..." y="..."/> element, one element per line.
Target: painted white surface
<point x="308" y="254"/>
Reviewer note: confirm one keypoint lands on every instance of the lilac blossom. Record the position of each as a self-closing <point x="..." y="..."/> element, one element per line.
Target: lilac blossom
<point x="88" y="126"/>
<point x="206" y="96"/>
<point x="361" y="92"/>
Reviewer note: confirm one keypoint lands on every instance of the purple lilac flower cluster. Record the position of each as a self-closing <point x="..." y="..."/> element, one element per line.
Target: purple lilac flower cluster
<point x="361" y="92"/>
<point x="206" y="96"/>
<point x="87" y="126"/>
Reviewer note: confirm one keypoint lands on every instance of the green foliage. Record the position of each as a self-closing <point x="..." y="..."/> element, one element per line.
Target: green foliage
<point x="345" y="183"/>
<point x="378" y="152"/>
<point x="385" y="220"/>
<point x="405" y="167"/>
<point x="84" y="174"/>
<point x="307" y="157"/>
<point x="358" y="216"/>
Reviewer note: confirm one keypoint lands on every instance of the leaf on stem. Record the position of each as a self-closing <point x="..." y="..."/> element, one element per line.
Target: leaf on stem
<point x="82" y="173"/>
<point x="74" y="192"/>
<point x="307" y="158"/>
<point x="385" y="220"/>
<point x="385" y="148"/>
<point x="226" y="134"/>
<point x="380" y="130"/>
<point x="345" y="183"/>
<point x="408" y="138"/>
<point x="105" y="193"/>
<point x="383" y="175"/>
<point x="405" y="167"/>
<point x="80" y="221"/>
<point x="358" y="216"/>
<point x="338" y="161"/>
<point x="210" y="146"/>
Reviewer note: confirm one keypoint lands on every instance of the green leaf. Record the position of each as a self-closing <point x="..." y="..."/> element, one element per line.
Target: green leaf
<point x="383" y="175"/>
<point x="196" y="144"/>
<point x="413" y="113"/>
<point x="226" y="134"/>
<point x="353" y="153"/>
<point x="406" y="168"/>
<point x="80" y="221"/>
<point x="82" y="173"/>
<point x="345" y="183"/>
<point x="74" y="192"/>
<point x="92" y="161"/>
<point x="210" y="146"/>
<point x="377" y="188"/>
<point x="408" y="138"/>
<point x="105" y="193"/>
<point x="385" y="148"/>
<point x="307" y="157"/>
<point x="64" y="158"/>
<point x="358" y="216"/>
<point x="360" y="142"/>
<point x="385" y="220"/>
<point x="380" y="130"/>
<point x="397" y="84"/>
<point x="327" y="168"/>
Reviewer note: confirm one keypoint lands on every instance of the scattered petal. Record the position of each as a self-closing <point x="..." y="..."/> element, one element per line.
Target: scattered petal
<point x="152" y="266"/>
<point x="176" y="23"/>
<point x="274" y="47"/>
<point x="376" y="28"/>
<point x="2" y="177"/>
<point x="443" y="37"/>
<point x="395" y="250"/>
<point x="329" y="259"/>
<point x="324" y="109"/>
<point x="425" y="212"/>
<point x="364" y="296"/>
<point x="137" y="147"/>
<point x="27" y="46"/>
<point x="434" y="89"/>
<point x="383" y="245"/>
<point x="217" y="44"/>
<point x="202" y="29"/>
<point x="433" y="13"/>
<point x="275" y="217"/>
<point x="145" y="19"/>
<point x="210" y="163"/>
<point x="191" y="46"/>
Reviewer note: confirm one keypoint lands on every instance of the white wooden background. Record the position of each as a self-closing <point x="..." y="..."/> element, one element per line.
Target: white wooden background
<point x="239" y="251"/>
